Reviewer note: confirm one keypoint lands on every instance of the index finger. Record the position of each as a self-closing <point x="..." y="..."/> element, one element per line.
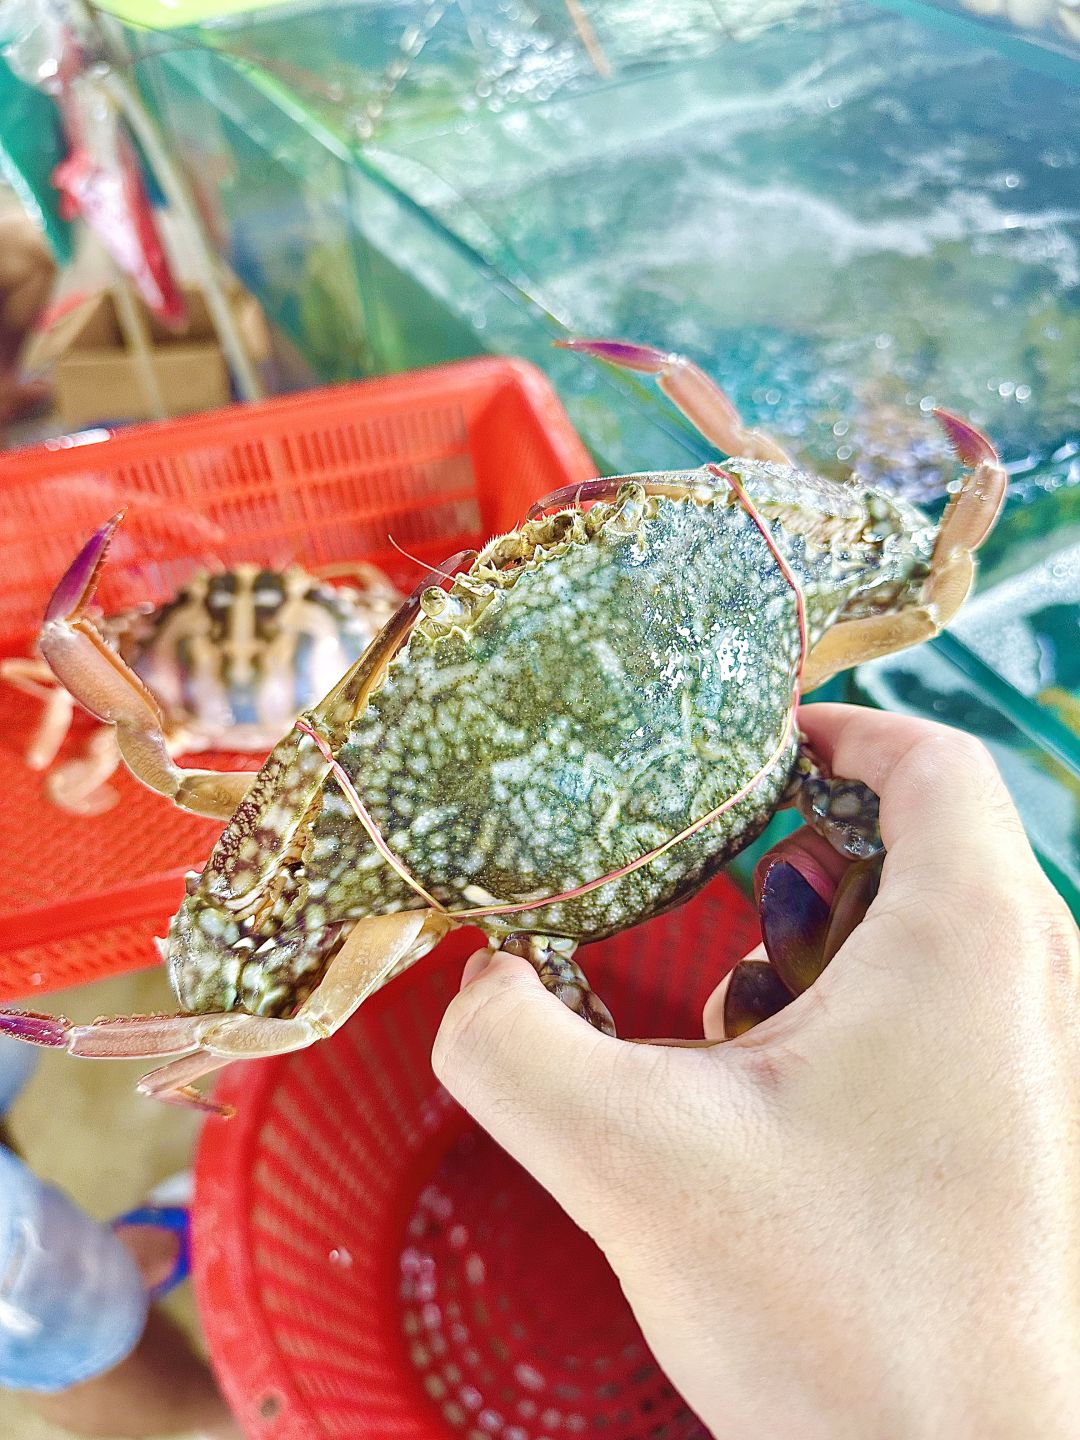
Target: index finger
<point x="939" y="788"/>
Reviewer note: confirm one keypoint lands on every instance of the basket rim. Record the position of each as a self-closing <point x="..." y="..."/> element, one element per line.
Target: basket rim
<point x="478" y="383"/>
<point x="487" y="373"/>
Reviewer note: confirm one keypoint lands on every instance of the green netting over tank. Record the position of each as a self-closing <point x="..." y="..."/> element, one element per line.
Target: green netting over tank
<point x="175" y="14"/>
<point x="846" y="216"/>
<point x="1045" y="33"/>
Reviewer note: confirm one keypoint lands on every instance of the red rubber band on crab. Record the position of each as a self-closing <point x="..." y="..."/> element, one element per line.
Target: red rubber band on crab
<point x="594" y="488"/>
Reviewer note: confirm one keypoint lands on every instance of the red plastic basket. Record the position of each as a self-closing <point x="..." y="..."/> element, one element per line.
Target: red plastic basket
<point x="438" y="459"/>
<point x="369" y="1265"/>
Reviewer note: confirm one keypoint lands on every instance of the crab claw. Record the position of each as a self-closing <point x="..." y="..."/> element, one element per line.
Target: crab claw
<point x="971" y="514"/>
<point x="622" y="352"/>
<point x="79" y="581"/>
<point x="855" y="894"/>
<point x="75" y="651"/>
<point x="794" y="924"/>
<point x="688" y="387"/>
<point x="970" y="445"/>
<point x="754" y="993"/>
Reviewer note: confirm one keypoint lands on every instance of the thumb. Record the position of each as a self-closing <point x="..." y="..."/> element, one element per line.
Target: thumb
<point x="537" y="1077"/>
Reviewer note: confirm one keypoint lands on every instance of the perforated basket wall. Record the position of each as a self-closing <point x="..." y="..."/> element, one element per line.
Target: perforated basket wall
<point x="369" y="1265"/>
<point x="438" y="459"/>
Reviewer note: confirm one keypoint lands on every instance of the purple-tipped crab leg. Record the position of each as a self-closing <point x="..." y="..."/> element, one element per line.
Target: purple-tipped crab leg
<point x="138" y="1037"/>
<point x="972" y="512"/>
<point x="375" y="948"/>
<point x="35" y="1029"/>
<point x="75" y="651"/>
<point x="688" y="387"/>
<point x="80" y="578"/>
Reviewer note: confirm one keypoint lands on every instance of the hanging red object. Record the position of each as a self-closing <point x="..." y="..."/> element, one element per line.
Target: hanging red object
<point x="101" y="182"/>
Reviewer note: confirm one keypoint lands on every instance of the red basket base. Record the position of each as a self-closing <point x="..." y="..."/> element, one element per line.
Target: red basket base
<point x="368" y="1264"/>
<point x="514" y="1321"/>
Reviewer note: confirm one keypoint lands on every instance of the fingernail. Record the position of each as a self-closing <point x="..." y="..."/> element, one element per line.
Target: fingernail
<point x="475" y="966"/>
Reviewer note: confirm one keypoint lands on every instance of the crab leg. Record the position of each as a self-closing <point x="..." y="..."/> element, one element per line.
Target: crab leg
<point x="173" y="1083"/>
<point x="966" y="523"/>
<point x="79" y="785"/>
<point x="131" y="1037"/>
<point x="33" y="677"/>
<point x="854" y="642"/>
<point x="96" y="676"/>
<point x="569" y="497"/>
<point x="587" y="35"/>
<point x="688" y="387"/>
<point x="845" y="812"/>
<point x="75" y="786"/>
<point x="972" y="511"/>
<point x="560" y="973"/>
<point x="135" y="1037"/>
<point x="376" y="948"/>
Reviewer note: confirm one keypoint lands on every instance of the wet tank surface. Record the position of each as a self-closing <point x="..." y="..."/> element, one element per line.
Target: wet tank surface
<point x="845" y="214"/>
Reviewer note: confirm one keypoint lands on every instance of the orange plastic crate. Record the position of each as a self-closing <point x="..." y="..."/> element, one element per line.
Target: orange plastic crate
<point x="438" y="460"/>
<point x="369" y="1264"/>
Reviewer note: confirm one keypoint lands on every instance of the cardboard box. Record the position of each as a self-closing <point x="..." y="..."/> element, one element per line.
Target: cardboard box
<point x="97" y="379"/>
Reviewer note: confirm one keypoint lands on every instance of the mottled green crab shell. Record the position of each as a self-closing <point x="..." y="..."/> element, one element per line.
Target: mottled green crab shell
<point x="598" y="682"/>
<point x="593" y="685"/>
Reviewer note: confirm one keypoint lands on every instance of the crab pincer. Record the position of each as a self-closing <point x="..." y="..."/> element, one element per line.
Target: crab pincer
<point x="688" y="387"/>
<point x="90" y="670"/>
<point x="968" y="519"/>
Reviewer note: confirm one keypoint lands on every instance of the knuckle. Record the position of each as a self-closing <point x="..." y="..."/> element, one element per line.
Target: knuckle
<point x="1056" y="939"/>
<point x="952" y="780"/>
<point x="943" y="751"/>
<point x="473" y="1028"/>
<point x="1012" y="927"/>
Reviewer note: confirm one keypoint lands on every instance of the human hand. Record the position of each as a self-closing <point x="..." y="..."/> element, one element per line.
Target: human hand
<point x="861" y="1218"/>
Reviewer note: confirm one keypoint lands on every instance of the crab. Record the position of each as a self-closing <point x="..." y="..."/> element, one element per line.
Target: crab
<point x="230" y="660"/>
<point x="568" y="734"/>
